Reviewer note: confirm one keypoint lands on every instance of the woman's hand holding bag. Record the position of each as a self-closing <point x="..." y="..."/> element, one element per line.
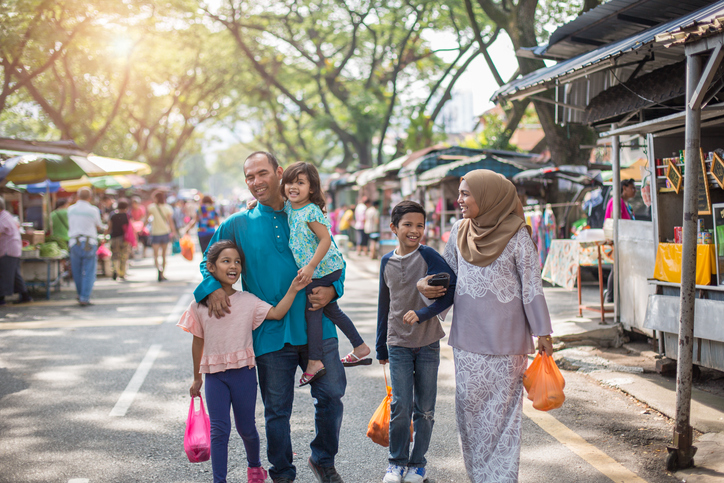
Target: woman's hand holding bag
<point x="197" y="440"/>
<point x="544" y="383"/>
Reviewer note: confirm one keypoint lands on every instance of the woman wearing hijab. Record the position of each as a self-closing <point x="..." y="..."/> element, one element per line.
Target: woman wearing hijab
<point x="491" y="252"/>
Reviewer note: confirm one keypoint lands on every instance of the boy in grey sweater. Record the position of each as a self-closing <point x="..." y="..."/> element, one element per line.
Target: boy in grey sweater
<point x="408" y="337"/>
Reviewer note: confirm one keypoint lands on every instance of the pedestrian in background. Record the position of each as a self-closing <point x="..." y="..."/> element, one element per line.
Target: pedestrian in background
<point x="498" y="274"/>
<point x="138" y="221"/>
<point x="161" y="216"/>
<point x="59" y="223"/>
<point x="372" y="226"/>
<point x="345" y="223"/>
<point x="84" y="221"/>
<point x="11" y="246"/>
<point x="117" y="227"/>
<point x="628" y="192"/>
<point x="207" y="220"/>
<point x="359" y="226"/>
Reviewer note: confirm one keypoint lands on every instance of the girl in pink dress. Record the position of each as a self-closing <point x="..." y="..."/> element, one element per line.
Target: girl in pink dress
<point x="222" y="349"/>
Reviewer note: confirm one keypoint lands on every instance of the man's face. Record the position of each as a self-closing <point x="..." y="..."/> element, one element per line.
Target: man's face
<point x="263" y="180"/>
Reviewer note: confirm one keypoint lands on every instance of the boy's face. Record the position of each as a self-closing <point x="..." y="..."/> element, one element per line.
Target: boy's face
<point x="409" y="231"/>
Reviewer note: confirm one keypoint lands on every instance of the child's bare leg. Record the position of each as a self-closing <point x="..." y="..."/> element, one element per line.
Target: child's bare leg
<point x="313" y="366"/>
<point x="361" y="351"/>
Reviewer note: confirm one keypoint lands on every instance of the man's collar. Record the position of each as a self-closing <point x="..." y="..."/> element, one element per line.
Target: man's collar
<point x="268" y="209"/>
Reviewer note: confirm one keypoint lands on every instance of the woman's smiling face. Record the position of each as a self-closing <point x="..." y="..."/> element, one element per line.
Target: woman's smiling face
<point x="468" y="204"/>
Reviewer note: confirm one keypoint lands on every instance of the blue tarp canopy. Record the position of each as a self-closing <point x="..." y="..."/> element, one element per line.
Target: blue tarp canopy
<point x="464" y="166"/>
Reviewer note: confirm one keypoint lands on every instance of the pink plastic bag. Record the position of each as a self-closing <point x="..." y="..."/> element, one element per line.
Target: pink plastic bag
<point x="197" y="440"/>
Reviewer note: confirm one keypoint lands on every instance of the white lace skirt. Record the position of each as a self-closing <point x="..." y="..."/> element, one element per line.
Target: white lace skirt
<point x="488" y="406"/>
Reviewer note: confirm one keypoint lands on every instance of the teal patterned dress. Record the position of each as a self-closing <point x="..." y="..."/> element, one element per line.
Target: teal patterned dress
<point x="303" y="242"/>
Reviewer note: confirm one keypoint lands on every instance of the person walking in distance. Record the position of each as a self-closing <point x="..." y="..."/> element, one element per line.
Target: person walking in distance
<point x="11" y="280"/>
<point x="84" y="224"/>
<point x="162" y="228"/>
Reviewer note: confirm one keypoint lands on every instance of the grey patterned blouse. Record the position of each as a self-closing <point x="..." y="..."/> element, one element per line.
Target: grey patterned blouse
<point x="498" y="308"/>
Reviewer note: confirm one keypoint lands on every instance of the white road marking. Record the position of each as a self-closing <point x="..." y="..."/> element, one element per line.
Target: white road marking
<point x="179" y="308"/>
<point x="79" y="480"/>
<point x="126" y="399"/>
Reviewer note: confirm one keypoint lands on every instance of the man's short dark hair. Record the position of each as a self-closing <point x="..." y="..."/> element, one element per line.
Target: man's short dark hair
<point x="404" y="207"/>
<point x="627" y="182"/>
<point x="269" y="156"/>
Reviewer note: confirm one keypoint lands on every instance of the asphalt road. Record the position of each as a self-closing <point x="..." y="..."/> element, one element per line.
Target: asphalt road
<point x="63" y="370"/>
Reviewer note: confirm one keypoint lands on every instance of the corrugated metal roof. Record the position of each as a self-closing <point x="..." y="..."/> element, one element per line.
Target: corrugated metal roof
<point x="603" y="57"/>
<point x="613" y="21"/>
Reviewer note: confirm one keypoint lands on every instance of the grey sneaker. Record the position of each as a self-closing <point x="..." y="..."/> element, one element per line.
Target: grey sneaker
<point x="324" y="475"/>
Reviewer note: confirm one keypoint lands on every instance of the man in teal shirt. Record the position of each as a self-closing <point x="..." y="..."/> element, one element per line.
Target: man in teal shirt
<point x="280" y="346"/>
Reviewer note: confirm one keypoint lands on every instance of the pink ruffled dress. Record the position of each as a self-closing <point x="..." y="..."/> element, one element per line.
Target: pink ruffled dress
<point x="227" y="341"/>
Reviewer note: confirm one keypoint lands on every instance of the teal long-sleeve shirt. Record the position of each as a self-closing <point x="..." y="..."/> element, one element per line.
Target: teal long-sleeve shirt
<point x="269" y="268"/>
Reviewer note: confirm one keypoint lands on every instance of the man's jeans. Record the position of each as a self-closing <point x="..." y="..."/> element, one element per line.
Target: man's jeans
<point x="413" y="372"/>
<point x="83" y="264"/>
<point x="277" y="380"/>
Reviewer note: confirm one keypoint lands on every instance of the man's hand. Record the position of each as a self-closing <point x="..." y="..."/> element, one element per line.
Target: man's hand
<point x="218" y="303"/>
<point x="384" y="361"/>
<point x="410" y="318"/>
<point x="321" y="296"/>
<point x="430" y="291"/>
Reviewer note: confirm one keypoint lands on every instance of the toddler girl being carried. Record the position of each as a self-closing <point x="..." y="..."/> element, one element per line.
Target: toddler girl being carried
<point x="222" y="349"/>
<point x="319" y="261"/>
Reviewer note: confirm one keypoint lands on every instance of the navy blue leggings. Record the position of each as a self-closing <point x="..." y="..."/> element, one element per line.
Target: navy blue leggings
<point x="233" y="388"/>
<point x="333" y="313"/>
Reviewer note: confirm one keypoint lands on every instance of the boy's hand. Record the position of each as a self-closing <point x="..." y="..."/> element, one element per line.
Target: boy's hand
<point x="430" y="291"/>
<point x="384" y="361"/>
<point x="251" y="204"/>
<point x="196" y="388"/>
<point x="298" y="283"/>
<point x="306" y="273"/>
<point x="410" y="318"/>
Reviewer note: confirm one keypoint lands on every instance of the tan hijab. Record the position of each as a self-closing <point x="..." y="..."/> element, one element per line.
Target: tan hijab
<point x="482" y="239"/>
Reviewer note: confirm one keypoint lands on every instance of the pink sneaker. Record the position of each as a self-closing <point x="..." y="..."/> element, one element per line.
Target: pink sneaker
<point x="256" y="474"/>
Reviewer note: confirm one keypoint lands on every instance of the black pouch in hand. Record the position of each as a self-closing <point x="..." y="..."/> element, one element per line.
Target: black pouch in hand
<point x="440" y="280"/>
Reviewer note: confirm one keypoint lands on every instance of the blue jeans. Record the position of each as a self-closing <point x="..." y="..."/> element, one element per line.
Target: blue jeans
<point x="413" y="375"/>
<point x="333" y="313"/>
<point x="277" y="380"/>
<point x="233" y="388"/>
<point x="83" y="264"/>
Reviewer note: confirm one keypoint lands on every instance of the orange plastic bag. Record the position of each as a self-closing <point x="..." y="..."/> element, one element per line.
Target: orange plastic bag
<point x="187" y="247"/>
<point x="544" y="383"/>
<point x="378" y="429"/>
